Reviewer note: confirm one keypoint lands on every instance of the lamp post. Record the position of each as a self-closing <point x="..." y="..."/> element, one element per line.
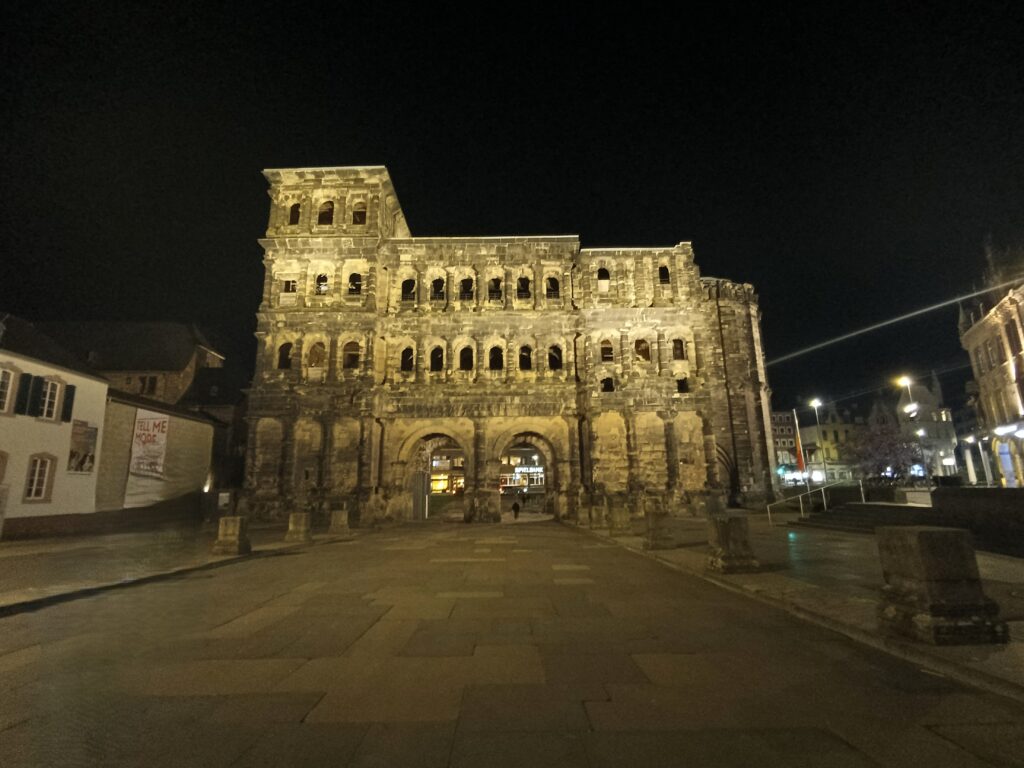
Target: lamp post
<point x="816" y="404"/>
<point x="911" y="407"/>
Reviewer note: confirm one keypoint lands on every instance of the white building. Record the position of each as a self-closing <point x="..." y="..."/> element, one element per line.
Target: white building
<point x="51" y="426"/>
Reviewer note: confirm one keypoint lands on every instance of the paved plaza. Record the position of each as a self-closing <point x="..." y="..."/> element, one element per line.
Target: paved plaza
<point x="452" y="645"/>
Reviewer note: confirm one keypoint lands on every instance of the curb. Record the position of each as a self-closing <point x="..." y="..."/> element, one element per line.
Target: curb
<point x="900" y="649"/>
<point x="37" y="603"/>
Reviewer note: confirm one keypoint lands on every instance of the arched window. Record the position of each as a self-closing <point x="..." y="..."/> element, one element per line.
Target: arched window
<point x="555" y="358"/>
<point x="607" y="352"/>
<point x="322" y="285"/>
<point x="355" y="284"/>
<point x="682" y="385"/>
<point x="466" y="289"/>
<point x="350" y="355"/>
<point x="359" y="213"/>
<point x="607" y="385"/>
<point x="437" y="290"/>
<point x="604" y="280"/>
<point x="523" y="288"/>
<point x="437" y="359"/>
<point x="494" y="288"/>
<point x="552" y="289"/>
<point x="525" y="359"/>
<point x="293" y="214"/>
<point x="408" y="359"/>
<point x="317" y="355"/>
<point x="678" y="349"/>
<point x="496" y="359"/>
<point x="643" y="350"/>
<point x="408" y="290"/>
<point x="663" y="276"/>
<point x="466" y="359"/>
<point x="284" y="356"/>
<point x="325" y="215"/>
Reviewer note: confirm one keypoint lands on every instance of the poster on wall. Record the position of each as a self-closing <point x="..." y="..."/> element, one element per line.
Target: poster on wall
<point x="82" y="457"/>
<point x="149" y="443"/>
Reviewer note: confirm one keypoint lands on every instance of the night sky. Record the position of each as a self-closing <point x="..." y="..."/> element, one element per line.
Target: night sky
<point x="850" y="164"/>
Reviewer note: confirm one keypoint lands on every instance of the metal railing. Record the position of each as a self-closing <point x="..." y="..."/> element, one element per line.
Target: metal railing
<point x="800" y="498"/>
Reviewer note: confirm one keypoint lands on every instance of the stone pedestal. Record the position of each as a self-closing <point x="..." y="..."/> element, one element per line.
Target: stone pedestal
<point x="300" y="528"/>
<point x="619" y="523"/>
<point x="339" y="522"/>
<point x="932" y="589"/>
<point x="729" y="537"/>
<point x="232" y="536"/>
<point x="659" y="533"/>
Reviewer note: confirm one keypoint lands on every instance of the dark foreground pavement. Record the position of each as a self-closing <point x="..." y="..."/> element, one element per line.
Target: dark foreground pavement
<point x="527" y="645"/>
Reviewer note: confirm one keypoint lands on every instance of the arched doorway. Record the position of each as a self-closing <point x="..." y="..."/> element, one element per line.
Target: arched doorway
<point x="527" y="478"/>
<point x="437" y="478"/>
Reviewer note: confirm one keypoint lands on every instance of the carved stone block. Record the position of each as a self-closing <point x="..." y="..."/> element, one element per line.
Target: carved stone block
<point x="933" y="591"/>
<point x="729" y="537"/>
<point x="232" y="536"/>
<point x="300" y="527"/>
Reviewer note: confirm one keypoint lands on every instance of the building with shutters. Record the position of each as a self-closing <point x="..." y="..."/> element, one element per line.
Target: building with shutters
<point x="393" y="370"/>
<point x="52" y="407"/>
<point x="70" y="458"/>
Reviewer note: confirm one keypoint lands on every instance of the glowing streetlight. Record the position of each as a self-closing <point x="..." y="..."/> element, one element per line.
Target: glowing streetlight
<point x="911" y="407"/>
<point x="816" y="404"/>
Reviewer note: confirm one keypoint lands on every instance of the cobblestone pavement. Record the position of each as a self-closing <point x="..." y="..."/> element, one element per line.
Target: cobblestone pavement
<point x="527" y="645"/>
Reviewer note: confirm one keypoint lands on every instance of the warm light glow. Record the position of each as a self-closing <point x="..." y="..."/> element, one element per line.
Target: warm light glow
<point x="815" y="403"/>
<point x="920" y="433"/>
<point x="904" y="381"/>
<point x="1005" y="429"/>
<point x="949" y="462"/>
<point x="910" y="408"/>
<point x="970" y="439"/>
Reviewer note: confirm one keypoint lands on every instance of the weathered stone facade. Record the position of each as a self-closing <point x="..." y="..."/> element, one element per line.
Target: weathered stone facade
<point x="639" y="381"/>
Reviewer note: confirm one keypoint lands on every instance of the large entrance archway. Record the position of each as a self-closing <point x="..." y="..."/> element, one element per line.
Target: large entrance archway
<point x="527" y="477"/>
<point x="437" y="477"/>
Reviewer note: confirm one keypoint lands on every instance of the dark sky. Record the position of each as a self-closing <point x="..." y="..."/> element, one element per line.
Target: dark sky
<point x="849" y="164"/>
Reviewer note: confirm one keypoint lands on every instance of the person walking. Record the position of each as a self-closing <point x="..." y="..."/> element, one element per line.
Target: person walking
<point x="515" y="510"/>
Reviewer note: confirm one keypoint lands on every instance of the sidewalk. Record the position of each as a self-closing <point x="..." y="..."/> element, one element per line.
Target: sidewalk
<point x="33" y="571"/>
<point x="834" y="579"/>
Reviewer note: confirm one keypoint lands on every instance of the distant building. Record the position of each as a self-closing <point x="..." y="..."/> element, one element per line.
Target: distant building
<point x="156" y="359"/>
<point x="992" y="332"/>
<point x="784" y="438"/>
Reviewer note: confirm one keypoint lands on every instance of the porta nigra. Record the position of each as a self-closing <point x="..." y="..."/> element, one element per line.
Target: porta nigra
<point x="402" y="376"/>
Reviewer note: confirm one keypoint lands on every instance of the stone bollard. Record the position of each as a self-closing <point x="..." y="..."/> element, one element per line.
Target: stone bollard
<point x="300" y="528"/>
<point x="659" y="530"/>
<point x="619" y="523"/>
<point x="932" y="589"/>
<point x="232" y="536"/>
<point x="729" y="537"/>
<point x="339" y="522"/>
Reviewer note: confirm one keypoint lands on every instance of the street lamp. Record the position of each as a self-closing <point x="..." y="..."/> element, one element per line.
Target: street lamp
<point x="816" y="404"/>
<point x="911" y="406"/>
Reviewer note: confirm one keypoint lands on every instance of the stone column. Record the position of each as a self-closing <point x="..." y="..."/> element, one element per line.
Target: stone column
<point x="508" y="290"/>
<point x="664" y="367"/>
<point x="287" y="482"/>
<point x="538" y="287"/>
<point x="332" y="360"/>
<point x="327" y="454"/>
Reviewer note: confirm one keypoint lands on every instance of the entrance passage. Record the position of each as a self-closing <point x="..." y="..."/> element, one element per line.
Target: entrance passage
<point x="447" y="470"/>
<point x="522" y="472"/>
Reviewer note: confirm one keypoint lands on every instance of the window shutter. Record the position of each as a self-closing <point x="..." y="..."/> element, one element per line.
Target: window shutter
<point x="69" y="402"/>
<point x="35" y="396"/>
<point x="21" y="399"/>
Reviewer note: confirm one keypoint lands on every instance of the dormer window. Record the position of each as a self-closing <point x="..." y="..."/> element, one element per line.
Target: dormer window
<point x="604" y="280"/>
<point x="355" y="284"/>
<point x="359" y="214"/>
<point x="322" y="285"/>
<point x="325" y="215"/>
<point x="293" y="214"/>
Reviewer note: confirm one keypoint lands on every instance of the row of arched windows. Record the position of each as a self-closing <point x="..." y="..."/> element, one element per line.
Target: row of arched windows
<point x="316" y="357"/>
<point x="467" y="288"/>
<point x="642" y="350"/>
<point x="325" y="214"/>
<point x="604" y="278"/>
